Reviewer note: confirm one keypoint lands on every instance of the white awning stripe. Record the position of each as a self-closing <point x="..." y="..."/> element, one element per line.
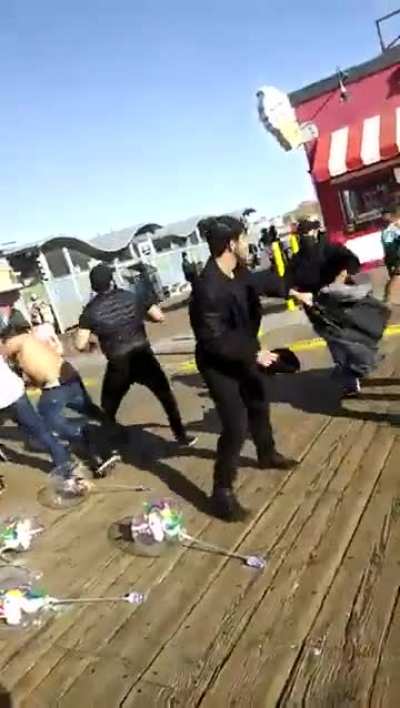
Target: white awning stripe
<point x="398" y="128"/>
<point x="337" y="157"/>
<point x="370" y="148"/>
<point x="361" y="144"/>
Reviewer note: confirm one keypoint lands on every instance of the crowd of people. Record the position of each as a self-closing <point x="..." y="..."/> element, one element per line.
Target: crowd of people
<point x="225" y="315"/>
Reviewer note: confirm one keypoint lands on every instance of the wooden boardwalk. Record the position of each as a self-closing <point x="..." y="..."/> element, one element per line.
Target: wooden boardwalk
<point x="319" y="627"/>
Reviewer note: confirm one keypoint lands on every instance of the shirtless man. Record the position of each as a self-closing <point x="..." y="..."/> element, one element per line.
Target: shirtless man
<point x="15" y="404"/>
<point x="62" y="388"/>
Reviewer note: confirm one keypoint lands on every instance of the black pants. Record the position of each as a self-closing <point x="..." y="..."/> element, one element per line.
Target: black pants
<point x="139" y="366"/>
<point x="242" y="405"/>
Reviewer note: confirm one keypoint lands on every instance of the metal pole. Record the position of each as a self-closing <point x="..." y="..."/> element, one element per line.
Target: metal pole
<point x="280" y="269"/>
<point x="378" y="23"/>
<point x="118" y="276"/>
<point x="378" y="28"/>
<point x="47" y="284"/>
<point x="70" y="265"/>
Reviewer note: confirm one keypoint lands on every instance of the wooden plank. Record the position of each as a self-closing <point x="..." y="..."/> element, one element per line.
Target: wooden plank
<point x="184" y="586"/>
<point x="66" y="668"/>
<point x="340" y="655"/>
<point x="70" y="630"/>
<point x="76" y="623"/>
<point x="386" y="687"/>
<point x="99" y="694"/>
<point x="149" y="695"/>
<point x="82" y="554"/>
<point x="189" y="661"/>
<point x="262" y="660"/>
<point x="109" y="570"/>
<point x="69" y="544"/>
<point x="149" y="623"/>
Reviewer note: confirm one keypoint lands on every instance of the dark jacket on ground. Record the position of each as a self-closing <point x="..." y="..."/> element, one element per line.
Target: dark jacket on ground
<point x="225" y="313"/>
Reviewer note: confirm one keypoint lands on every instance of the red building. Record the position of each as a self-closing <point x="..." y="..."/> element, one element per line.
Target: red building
<point x="355" y="161"/>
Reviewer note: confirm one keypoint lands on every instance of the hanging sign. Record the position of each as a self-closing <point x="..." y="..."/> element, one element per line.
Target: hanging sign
<point x="278" y="116"/>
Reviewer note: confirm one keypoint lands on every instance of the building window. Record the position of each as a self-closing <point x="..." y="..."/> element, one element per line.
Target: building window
<point x="363" y="199"/>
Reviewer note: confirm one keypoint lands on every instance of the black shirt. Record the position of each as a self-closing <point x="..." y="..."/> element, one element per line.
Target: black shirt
<point x="117" y="319"/>
<point x="189" y="270"/>
<point x="306" y="268"/>
<point x="225" y="312"/>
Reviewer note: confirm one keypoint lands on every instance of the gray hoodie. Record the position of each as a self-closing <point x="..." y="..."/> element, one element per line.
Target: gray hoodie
<point x="347" y="293"/>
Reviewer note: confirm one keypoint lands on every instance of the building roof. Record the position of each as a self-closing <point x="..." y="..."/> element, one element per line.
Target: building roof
<point x="86" y="247"/>
<point x="109" y="245"/>
<point x="115" y="240"/>
<point x="355" y="73"/>
<point x="121" y="239"/>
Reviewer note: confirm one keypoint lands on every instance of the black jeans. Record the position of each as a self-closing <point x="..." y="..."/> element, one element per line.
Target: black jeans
<point x="139" y="366"/>
<point x="241" y="402"/>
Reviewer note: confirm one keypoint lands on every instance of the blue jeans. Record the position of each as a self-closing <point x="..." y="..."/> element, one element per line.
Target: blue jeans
<point x="27" y="418"/>
<point x="52" y="403"/>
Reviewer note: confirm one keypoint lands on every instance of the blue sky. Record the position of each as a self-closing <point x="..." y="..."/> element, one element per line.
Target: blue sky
<point x="115" y="112"/>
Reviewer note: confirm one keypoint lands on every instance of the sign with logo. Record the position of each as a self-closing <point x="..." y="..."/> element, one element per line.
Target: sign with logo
<point x="278" y="116"/>
<point x="309" y="132"/>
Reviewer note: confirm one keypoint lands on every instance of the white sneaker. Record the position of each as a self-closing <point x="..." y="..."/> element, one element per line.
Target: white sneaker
<point x="107" y="465"/>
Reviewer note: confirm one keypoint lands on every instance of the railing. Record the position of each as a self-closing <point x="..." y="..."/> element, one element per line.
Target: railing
<point x="68" y="294"/>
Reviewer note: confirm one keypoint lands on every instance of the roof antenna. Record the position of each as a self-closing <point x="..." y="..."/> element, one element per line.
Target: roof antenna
<point x="378" y="24"/>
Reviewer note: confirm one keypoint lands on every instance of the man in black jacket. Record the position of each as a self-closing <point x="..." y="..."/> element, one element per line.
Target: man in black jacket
<point x="116" y="317"/>
<point x="225" y="315"/>
<point x="188" y="268"/>
<point x="304" y="270"/>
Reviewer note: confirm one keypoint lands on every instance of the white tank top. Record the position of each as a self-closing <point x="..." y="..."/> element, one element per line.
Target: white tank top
<point x="11" y="386"/>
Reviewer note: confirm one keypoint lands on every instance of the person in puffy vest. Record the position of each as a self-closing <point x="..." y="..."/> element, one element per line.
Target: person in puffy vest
<point x="350" y="319"/>
<point x="116" y="316"/>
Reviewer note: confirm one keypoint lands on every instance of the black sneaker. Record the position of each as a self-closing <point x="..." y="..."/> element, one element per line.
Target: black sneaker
<point x="187" y="440"/>
<point x="226" y="506"/>
<point x="3" y="456"/>
<point x="277" y="461"/>
<point x="353" y="390"/>
<point x="102" y="467"/>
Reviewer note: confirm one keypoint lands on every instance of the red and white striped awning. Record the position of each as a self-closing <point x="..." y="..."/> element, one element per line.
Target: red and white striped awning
<point x="358" y="145"/>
